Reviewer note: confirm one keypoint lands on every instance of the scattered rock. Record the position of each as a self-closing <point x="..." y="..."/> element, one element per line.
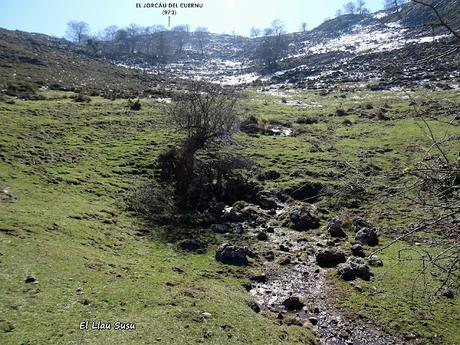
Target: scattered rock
<point x="285" y="260"/>
<point x="269" y="256"/>
<point x="313" y="320"/>
<point x="374" y="261"/>
<point x="238" y="228"/>
<point x="284" y="248"/>
<point x="270" y="230"/>
<point x="266" y="200"/>
<point x="448" y="293"/>
<point x="31" y="280"/>
<point x="206" y="315"/>
<point x="354" y="268"/>
<point x="359" y="222"/>
<point x="231" y="215"/>
<point x="221" y="228"/>
<point x="253" y="213"/>
<point x="307" y="191"/>
<point x="335" y="228"/>
<point x="367" y="236"/>
<point x="259" y="277"/>
<point x="262" y="236"/>
<point x="330" y="257"/>
<point x="293" y="303"/>
<point x="193" y="245"/>
<point x="357" y="250"/>
<point x="302" y="217"/>
<point x="232" y="255"/>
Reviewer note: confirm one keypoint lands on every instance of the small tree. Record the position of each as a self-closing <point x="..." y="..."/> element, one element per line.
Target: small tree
<point x="202" y="36"/>
<point x="77" y="31"/>
<point x="180" y="36"/>
<point x="361" y="7"/>
<point x="393" y="3"/>
<point x="206" y="115"/>
<point x="255" y="32"/>
<point x="350" y="7"/>
<point x="273" y="46"/>
<point x="110" y="33"/>
<point x="303" y="26"/>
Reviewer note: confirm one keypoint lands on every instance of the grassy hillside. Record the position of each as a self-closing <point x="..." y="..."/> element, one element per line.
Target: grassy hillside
<point x="64" y="171"/>
<point x="55" y="63"/>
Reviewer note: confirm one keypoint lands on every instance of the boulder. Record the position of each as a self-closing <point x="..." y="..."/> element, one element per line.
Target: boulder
<point x="368" y="236"/>
<point x="359" y="222"/>
<point x="221" y="228"/>
<point x="354" y="268"/>
<point x="233" y="255"/>
<point x="374" y="261"/>
<point x="262" y="236"/>
<point x="330" y="257"/>
<point x="193" y="245"/>
<point x="307" y="191"/>
<point x="238" y="228"/>
<point x="335" y="228"/>
<point x="357" y="250"/>
<point x="302" y="217"/>
<point x="252" y="213"/>
<point x="31" y="280"/>
<point x="293" y="303"/>
<point x="266" y="200"/>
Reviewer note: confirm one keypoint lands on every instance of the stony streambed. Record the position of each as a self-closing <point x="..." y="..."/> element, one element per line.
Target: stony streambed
<point x="294" y="287"/>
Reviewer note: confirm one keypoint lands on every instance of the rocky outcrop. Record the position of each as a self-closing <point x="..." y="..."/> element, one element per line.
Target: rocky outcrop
<point x="354" y="268"/>
<point x="335" y="228"/>
<point x="233" y="255"/>
<point x="369" y="236"/>
<point x="301" y="217"/>
<point x="330" y="257"/>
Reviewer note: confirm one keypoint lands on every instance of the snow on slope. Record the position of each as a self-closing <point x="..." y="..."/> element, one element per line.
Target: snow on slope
<point x="367" y="39"/>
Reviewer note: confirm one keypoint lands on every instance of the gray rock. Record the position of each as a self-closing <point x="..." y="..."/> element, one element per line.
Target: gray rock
<point x="31" y="280"/>
<point x="359" y="222"/>
<point x="266" y="200"/>
<point x="252" y="213"/>
<point x="262" y="236"/>
<point x="221" y="228"/>
<point x="346" y="271"/>
<point x="374" y="261"/>
<point x="238" y="228"/>
<point x="335" y="228"/>
<point x="303" y="217"/>
<point x="232" y="216"/>
<point x="354" y="268"/>
<point x="330" y="257"/>
<point x="293" y="303"/>
<point x="313" y="320"/>
<point x="448" y="293"/>
<point x="233" y="255"/>
<point x="368" y="236"/>
<point x="357" y="250"/>
<point x="193" y="245"/>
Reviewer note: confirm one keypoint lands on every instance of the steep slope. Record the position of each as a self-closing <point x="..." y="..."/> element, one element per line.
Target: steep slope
<point x="58" y="64"/>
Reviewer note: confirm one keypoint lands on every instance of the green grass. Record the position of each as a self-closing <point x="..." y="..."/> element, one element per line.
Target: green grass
<point x="401" y="299"/>
<point x="67" y="167"/>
